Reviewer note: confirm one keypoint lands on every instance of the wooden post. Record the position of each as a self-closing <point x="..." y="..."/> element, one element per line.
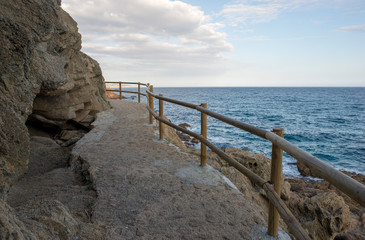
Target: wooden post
<point x="276" y="172"/>
<point x="120" y="90"/>
<point x="160" y="110"/>
<point x="203" y="155"/>
<point x="139" y="92"/>
<point x="151" y="103"/>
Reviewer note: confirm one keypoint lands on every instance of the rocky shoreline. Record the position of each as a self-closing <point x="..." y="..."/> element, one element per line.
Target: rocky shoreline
<point x="323" y="210"/>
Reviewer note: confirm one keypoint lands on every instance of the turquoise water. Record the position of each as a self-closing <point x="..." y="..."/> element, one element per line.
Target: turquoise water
<point x="327" y="122"/>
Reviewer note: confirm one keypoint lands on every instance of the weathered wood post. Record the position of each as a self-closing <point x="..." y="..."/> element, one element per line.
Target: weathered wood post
<point x="139" y="92"/>
<point x="151" y="103"/>
<point x="276" y="172"/>
<point x="120" y="90"/>
<point x="160" y="111"/>
<point x="203" y="155"/>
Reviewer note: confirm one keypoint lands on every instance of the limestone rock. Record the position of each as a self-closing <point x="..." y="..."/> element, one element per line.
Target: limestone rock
<point x="42" y="71"/>
<point x="305" y="171"/>
<point x="257" y="163"/>
<point x="46" y="155"/>
<point x="10" y="226"/>
<point x="171" y="136"/>
<point x="324" y="215"/>
<point x="52" y="220"/>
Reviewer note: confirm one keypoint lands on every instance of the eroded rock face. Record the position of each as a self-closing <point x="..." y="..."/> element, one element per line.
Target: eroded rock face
<point x="40" y="62"/>
<point x="10" y="226"/>
<point x="324" y="215"/>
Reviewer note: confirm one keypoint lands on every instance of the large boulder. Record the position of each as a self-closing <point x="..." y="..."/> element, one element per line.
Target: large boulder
<point x="42" y="71"/>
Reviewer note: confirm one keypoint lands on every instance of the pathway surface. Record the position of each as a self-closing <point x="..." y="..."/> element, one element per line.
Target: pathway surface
<point x="147" y="189"/>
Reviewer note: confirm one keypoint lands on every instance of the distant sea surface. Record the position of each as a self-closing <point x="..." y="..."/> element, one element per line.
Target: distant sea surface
<point x="327" y="122"/>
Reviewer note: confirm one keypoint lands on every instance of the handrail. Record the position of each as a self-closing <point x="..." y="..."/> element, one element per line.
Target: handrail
<point x="346" y="184"/>
<point x="123" y="91"/>
<point x="184" y="104"/>
<point x="144" y="84"/>
<point x="285" y="213"/>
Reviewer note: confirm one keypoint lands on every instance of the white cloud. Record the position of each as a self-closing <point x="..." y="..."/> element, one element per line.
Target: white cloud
<point x="174" y="34"/>
<point x="256" y="11"/>
<point x="353" y="28"/>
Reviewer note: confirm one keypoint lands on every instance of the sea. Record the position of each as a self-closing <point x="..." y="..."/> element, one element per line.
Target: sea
<point x="328" y="122"/>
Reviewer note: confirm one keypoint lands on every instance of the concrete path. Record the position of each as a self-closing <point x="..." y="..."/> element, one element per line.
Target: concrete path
<point x="147" y="189"/>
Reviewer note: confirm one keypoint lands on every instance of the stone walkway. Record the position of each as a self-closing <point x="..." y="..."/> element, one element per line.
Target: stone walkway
<point x="148" y="189"/>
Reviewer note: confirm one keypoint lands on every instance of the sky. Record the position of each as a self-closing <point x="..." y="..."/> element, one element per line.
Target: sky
<point x="216" y="43"/>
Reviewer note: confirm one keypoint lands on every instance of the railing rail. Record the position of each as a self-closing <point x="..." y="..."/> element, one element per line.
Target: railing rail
<point x="120" y="91"/>
<point x="346" y="184"/>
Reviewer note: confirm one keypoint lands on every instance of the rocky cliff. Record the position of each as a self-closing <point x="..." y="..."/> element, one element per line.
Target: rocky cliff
<point x="43" y="74"/>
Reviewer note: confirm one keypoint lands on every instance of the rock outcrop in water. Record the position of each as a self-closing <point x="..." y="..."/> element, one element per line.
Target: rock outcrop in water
<point x="46" y="79"/>
<point x="42" y="72"/>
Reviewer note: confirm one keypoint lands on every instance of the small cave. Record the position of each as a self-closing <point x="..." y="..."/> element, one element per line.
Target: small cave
<point x="50" y="174"/>
<point x="51" y="140"/>
<point x="41" y="129"/>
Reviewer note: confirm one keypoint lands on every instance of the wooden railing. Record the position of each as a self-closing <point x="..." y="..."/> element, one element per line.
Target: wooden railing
<point x="120" y="91"/>
<point x="346" y="184"/>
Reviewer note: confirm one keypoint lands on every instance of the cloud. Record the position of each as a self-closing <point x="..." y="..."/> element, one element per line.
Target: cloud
<point x="257" y="11"/>
<point x="353" y="28"/>
<point x="172" y="34"/>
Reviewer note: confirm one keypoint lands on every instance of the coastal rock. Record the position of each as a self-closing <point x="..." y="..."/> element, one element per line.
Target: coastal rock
<point x="324" y="215"/>
<point x="82" y="95"/>
<point x="52" y="220"/>
<point x="46" y="155"/>
<point x="112" y="95"/>
<point x="257" y="163"/>
<point x="307" y="188"/>
<point x="305" y="171"/>
<point x="185" y="138"/>
<point x="42" y="71"/>
<point x="10" y="226"/>
<point x="172" y="136"/>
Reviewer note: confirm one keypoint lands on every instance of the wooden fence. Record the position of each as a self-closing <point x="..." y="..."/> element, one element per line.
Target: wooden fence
<point x="346" y="184"/>
<point x="119" y="90"/>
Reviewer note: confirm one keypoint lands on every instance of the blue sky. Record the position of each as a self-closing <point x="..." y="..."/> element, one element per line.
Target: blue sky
<point x="225" y="43"/>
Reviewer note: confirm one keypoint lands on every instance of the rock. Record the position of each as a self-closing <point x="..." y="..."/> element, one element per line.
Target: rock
<point x="52" y="220"/>
<point x="88" y="119"/>
<point x="185" y="138"/>
<point x="351" y="236"/>
<point x="35" y="118"/>
<point x="42" y="71"/>
<point x="324" y="215"/>
<point x="10" y="226"/>
<point x="66" y="135"/>
<point x="172" y="136"/>
<point x="113" y="95"/>
<point x="304" y="170"/>
<point x="46" y="155"/>
<point x="257" y="163"/>
<point x="194" y="141"/>
<point x="307" y="188"/>
<point x="86" y="96"/>
<point x="184" y="125"/>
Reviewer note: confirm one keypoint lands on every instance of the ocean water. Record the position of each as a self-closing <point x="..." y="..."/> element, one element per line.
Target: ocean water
<point x="327" y="122"/>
